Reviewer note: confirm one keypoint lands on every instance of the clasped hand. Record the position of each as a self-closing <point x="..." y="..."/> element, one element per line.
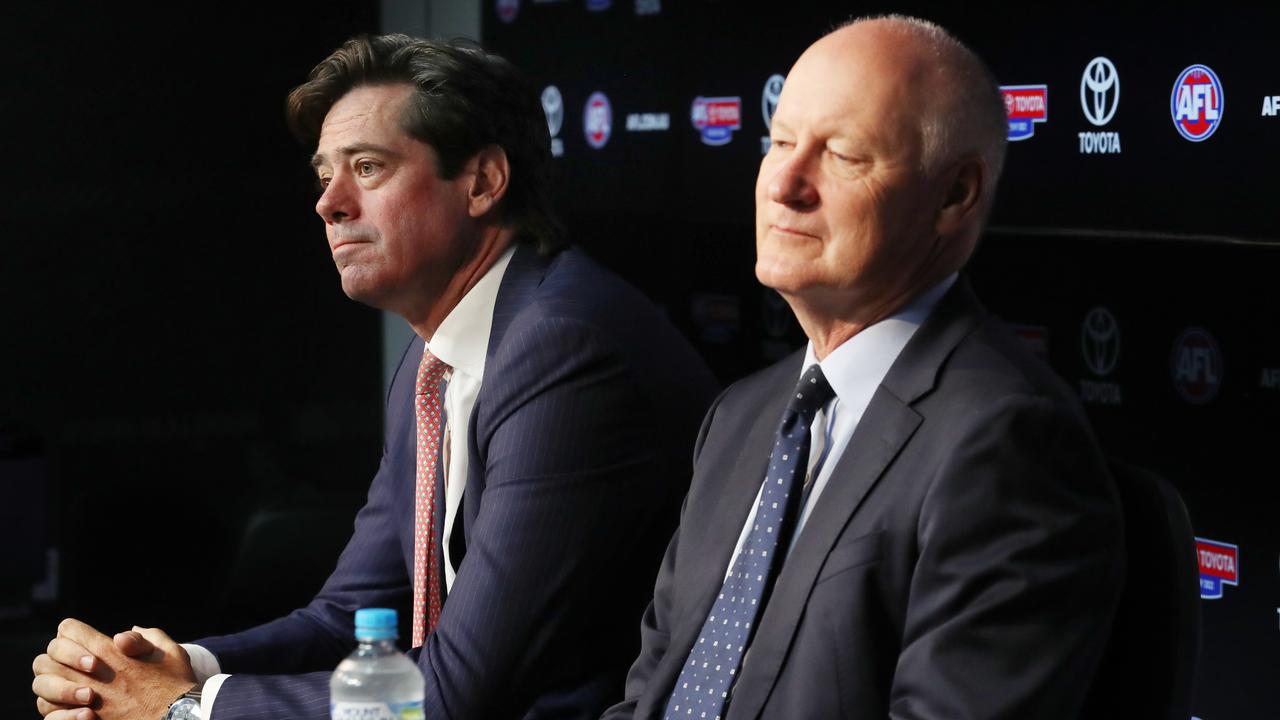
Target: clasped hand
<point x="85" y="675"/>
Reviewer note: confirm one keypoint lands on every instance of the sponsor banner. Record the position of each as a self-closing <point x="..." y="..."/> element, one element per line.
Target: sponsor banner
<point x="553" y="108"/>
<point x="1219" y="565"/>
<point x="1269" y="379"/>
<point x="769" y="105"/>
<point x="1099" y="99"/>
<point x="1100" y="347"/>
<point x="1100" y="341"/>
<point x="507" y="10"/>
<point x="597" y="120"/>
<point x="1027" y="106"/>
<point x="1196" y="366"/>
<point x="716" y="118"/>
<point x="1034" y="338"/>
<point x="1270" y="105"/>
<point x="1100" y="91"/>
<point x="648" y="122"/>
<point x="1197" y="103"/>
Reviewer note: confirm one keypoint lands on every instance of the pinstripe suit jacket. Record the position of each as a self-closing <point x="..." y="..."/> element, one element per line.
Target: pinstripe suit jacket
<point x="579" y="440"/>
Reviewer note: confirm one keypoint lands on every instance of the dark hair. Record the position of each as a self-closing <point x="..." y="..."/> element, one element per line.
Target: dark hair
<point x="465" y="99"/>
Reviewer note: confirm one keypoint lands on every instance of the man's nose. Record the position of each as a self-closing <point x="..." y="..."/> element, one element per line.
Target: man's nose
<point x="336" y="203"/>
<point x="791" y="183"/>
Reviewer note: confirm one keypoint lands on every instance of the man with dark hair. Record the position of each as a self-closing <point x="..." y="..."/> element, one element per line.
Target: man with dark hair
<point x="930" y="531"/>
<point x="536" y="437"/>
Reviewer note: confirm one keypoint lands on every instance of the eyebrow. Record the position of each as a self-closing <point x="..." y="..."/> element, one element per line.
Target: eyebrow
<point x="320" y="159"/>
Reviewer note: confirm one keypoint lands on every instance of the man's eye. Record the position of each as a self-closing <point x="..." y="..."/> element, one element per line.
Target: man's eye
<point x="323" y="182"/>
<point x="365" y="167"/>
<point x="781" y="144"/>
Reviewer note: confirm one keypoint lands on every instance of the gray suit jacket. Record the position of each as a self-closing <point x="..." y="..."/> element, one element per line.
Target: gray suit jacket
<point x="964" y="561"/>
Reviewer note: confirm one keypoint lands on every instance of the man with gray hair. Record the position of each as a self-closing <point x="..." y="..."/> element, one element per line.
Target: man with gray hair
<point x="931" y="530"/>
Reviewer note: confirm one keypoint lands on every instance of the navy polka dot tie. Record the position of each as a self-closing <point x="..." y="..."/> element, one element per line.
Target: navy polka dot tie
<point x="702" y="690"/>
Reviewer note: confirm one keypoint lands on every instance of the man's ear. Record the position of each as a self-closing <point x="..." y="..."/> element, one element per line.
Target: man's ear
<point x="490" y="174"/>
<point x="962" y="198"/>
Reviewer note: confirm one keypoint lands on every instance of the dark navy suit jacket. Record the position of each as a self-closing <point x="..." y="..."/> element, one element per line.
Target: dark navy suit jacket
<point x="964" y="560"/>
<point x="580" y="442"/>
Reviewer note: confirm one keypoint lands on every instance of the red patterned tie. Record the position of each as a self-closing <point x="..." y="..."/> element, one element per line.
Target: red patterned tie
<point x="426" y="571"/>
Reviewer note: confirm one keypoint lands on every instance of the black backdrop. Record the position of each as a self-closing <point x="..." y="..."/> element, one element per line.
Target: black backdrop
<point x="1164" y="236"/>
<point x="177" y="354"/>
<point x="178" y="358"/>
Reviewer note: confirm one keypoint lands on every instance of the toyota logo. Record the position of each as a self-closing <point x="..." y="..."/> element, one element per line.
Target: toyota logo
<point x="1099" y="91"/>
<point x="1100" y="341"/>
<point x="769" y="98"/>
<point x="553" y="108"/>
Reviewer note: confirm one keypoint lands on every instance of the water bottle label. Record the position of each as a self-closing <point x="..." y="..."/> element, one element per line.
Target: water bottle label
<point x="376" y="711"/>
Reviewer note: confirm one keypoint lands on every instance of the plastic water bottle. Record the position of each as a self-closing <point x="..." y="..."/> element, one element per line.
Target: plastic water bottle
<point x="377" y="681"/>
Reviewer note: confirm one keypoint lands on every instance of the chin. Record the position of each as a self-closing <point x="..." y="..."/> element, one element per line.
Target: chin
<point x="780" y="274"/>
<point x="359" y="289"/>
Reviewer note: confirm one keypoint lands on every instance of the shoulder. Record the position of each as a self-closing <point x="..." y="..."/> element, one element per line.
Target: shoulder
<point x="569" y="305"/>
<point x="743" y="401"/>
<point x="992" y="368"/>
<point x="572" y="286"/>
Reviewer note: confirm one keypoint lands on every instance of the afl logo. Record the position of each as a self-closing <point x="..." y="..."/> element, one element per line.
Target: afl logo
<point x="1100" y="341"/>
<point x="1197" y="103"/>
<point x="1196" y="365"/>
<point x="597" y="120"/>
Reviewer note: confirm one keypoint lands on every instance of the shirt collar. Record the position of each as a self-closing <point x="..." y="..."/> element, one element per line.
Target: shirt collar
<point x="462" y="340"/>
<point x="858" y="366"/>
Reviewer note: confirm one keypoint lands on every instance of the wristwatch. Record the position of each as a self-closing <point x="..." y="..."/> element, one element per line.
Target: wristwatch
<point x="186" y="707"/>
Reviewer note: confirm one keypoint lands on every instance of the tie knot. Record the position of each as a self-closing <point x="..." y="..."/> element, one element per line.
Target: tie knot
<point x="811" y="393"/>
<point x="430" y="372"/>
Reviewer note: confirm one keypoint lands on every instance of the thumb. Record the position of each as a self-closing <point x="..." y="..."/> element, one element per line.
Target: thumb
<point x="158" y="639"/>
<point x="133" y="643"/>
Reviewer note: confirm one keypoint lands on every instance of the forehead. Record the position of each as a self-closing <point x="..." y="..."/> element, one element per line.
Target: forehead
<point x="861" y="85"/>
<point x="366" y="113"/>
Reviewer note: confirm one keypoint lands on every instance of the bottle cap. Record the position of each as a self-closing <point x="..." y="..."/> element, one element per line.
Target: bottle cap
<point x="375" y="624"/>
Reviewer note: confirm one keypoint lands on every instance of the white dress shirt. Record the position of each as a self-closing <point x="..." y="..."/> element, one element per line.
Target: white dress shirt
<point x="461" y="341"/>
<point x="854" y="370"/>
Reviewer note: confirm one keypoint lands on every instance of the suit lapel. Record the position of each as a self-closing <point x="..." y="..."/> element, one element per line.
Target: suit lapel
<point x="883" y="432"/>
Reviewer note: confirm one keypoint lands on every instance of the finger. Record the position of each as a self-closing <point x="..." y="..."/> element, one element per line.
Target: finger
<point x="158" y="638"/>
<point x="72" y="714"/>
<point x="72" y="654"/>
<point x="61" y="691"/>
<point x="89" y="638"/>
<point x="133" y="643"/>
<point x="45" y="665"/>
<point x="46" y="708"/>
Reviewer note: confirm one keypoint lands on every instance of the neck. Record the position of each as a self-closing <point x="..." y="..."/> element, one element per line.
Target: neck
<point x="493" y="244"/>
<point x="830" y="318"/>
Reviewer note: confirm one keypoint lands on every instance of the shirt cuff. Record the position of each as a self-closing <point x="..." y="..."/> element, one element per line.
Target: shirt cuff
<point x="210" y="691"/>
<point x="203" y="663"/>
